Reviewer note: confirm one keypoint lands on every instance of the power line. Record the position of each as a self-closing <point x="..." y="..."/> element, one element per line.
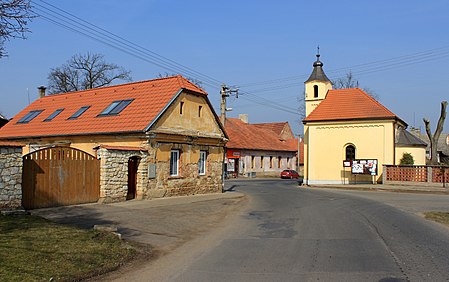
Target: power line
<point x="366" y="68"/>
<point x="76" y="24"/>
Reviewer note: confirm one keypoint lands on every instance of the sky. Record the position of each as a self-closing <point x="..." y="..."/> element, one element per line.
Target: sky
<point x="398" y="49"/>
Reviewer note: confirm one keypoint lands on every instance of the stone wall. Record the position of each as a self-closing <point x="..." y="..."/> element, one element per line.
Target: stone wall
<point x="10" y="177"/>
<point x="189" y="182"/>
<point x="114" y="174"/>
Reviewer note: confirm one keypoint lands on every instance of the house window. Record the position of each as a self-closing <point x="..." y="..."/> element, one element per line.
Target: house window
<point x="200" y="109"/>
<point x="78" y="113"/>
<point x="174" y="162"/>
<point x="28" y="117"/>
<point x="261" y="162"/>
<point x="181" y="108"/>
<point x="279" y="162"/>
<point x="271" y="161"/>
<point x="350" y="152"/>
<point x="115" y="107"/>
<point x="315" y="91"/>
<point x="202" y="163"/>
<point x="253" y="161"/>
<point x="53" y="115"/>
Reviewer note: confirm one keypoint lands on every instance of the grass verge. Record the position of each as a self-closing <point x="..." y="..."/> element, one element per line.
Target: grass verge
<point x="35" y="249"/>
<point x="441" y="217"/>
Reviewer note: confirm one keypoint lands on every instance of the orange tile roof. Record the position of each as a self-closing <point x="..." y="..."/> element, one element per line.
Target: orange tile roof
<point x="255" y="137"/>
<point x="150" y="98"/>
<point x="10" y="144"/>
<point x="349" y="104"/>
<point x="273" y="126"/>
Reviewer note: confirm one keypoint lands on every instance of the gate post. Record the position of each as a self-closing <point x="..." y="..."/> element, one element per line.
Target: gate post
<point x="429" y="174"/>
<point x="384" y="174"/>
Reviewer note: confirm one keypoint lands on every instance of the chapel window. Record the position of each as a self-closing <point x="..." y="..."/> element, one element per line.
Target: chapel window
<point x="315" y="91"/>
<point x="350" y="152"/>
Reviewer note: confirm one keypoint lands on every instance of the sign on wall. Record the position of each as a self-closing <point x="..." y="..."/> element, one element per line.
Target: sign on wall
<point x="364" y="166"/>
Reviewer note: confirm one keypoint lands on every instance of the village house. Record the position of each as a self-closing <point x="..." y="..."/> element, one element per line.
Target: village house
<point x="263" y="149"/>
<point x="3" y="121"/>
<point x="149" y="139"/>
<point x="348" y="135"/>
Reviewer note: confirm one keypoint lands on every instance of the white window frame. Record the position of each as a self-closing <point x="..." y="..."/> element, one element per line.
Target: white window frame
<point x="202" y="163"/>
<point x="174" y="162"/>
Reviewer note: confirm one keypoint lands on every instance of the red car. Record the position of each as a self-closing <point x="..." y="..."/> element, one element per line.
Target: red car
<point x="289" y="173"/>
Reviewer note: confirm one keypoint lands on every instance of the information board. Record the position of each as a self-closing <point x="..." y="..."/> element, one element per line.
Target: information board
<point x="367" y="166"/>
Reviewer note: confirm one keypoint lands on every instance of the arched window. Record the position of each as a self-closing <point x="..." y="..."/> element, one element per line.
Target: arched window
<point x="315" y="91"/>
<point x="350" y="152"/>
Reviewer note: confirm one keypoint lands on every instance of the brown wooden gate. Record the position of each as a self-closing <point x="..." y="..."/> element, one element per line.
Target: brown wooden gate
<point x="59" y="176"/>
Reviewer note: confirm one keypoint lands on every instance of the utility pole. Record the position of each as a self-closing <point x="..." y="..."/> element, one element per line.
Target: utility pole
<point x="225" y="93"/>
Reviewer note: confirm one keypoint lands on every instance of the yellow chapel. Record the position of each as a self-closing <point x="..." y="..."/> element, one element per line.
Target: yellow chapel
<point x="349" y="136"/>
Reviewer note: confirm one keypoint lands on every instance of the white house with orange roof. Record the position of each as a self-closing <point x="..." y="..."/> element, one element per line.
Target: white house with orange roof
<point x="261" y="149"/>
<point x="147" y="139"/>
<point x="348" y="135"/>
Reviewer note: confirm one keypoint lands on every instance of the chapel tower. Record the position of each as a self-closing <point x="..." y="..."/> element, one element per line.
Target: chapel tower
<point x="316" y="86"/>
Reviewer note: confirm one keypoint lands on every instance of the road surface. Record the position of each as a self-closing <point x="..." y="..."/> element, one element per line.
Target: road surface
<point x="288" y="233"/>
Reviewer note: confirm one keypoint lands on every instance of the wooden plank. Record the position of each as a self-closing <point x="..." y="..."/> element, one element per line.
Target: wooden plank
<point x="59" y="176"/>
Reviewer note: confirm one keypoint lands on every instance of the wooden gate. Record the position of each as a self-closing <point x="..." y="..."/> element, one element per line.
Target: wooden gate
<point x="59" y="176"/>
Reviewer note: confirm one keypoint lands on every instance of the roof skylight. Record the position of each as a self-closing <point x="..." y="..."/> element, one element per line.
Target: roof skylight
<point x="115" y="107"/>
<point x="78" y="113"/>
<point x="31" y="115"/>
<point x="53" y="115"/>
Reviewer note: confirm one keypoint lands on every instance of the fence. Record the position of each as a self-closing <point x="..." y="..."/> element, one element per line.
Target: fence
<point x="427" y="174"/>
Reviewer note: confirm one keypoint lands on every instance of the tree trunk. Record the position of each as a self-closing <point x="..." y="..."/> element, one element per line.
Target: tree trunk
<point x="433" y="139"/>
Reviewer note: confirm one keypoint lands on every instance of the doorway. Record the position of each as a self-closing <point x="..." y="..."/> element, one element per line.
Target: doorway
<point x="133" y="164"/>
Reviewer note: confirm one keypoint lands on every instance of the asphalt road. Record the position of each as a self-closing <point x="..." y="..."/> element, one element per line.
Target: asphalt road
<point x="289" y="233"/>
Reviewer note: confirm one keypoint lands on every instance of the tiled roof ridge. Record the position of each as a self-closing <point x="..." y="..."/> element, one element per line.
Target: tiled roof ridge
<point x="182" y="80"/>
<point x="178" y="76"/>
<point x="264" y="123"/>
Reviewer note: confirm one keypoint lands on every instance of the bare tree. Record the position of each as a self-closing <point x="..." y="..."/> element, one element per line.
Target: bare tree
<point x="85" y="71"/>
<point x="349" y="81"/>
<point x="195" y="81"/>
<point x="14" y="18"/>
<point x="434" y="138"/>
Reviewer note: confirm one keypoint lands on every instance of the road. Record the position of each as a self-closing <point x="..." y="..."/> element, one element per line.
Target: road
<point x="288" y="233"/>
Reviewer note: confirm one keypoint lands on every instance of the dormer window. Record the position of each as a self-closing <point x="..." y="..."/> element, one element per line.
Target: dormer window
<point x="115" y="107"/>
<point x="53" y="115"/>
<point x="78" y="113"/>
<point x="315" y="91"/>
<point x="30" y="116"/>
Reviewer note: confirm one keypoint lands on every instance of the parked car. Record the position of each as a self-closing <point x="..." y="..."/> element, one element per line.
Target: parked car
<point x="289" y="173"/>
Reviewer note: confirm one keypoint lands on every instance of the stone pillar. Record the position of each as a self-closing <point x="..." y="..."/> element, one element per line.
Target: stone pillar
<point x="11" y="164"/>
<point x="384" y="174"/>
<point x="429" y="174"/>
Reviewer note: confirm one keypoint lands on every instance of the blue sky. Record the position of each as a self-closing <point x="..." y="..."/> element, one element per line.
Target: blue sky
<point x="265" y="47"/>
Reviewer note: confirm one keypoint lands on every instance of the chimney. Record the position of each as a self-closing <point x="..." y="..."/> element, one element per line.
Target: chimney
<point x="415" y="131"/>
<point x="243" y="117"/>
<point x="41" y="91"/>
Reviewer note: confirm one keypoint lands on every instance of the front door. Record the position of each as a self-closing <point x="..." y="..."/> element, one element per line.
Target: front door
<point x="133" y="163"/>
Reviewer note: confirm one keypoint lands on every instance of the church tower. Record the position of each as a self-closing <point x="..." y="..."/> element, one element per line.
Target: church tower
<point x="316" y="86"/>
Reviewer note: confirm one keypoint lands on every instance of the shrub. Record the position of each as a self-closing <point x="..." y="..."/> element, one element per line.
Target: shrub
<point x="407" y="159"/>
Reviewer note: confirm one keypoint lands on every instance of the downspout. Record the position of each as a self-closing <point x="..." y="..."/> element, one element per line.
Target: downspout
<point x="223" y="169"/>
